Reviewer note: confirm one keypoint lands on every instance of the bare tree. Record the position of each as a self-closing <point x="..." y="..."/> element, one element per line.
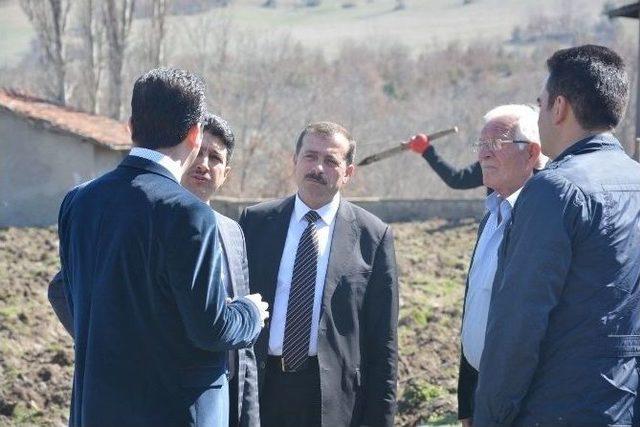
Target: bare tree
<point x="158" y="31"/>
<point x="49" y="19"/>
<point x="117" y="17"/>
<point x="92" y="33"/>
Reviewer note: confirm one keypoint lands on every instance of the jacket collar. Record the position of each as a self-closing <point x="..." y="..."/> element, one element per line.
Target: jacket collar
<point x="147" y="165"/>
<point x="600" y="141"/>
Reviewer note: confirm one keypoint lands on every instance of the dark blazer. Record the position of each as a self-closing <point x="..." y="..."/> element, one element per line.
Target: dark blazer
<point x="467" y="374"/>
<point x="245" y="406"/>
<point x="563" y="332"/>
<point x="141" y="266"/>
<point x="245" y="409"/>
<point x="357" y="334"/>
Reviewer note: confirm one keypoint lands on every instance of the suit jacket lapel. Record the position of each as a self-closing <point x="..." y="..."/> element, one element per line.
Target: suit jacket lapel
<point x="276" y="227"/>
<point x="343" y="242"/>
<point x="227" y="248"/>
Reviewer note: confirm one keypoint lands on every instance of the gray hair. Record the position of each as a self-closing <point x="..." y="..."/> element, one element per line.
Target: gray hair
<point x="526" y="120"/>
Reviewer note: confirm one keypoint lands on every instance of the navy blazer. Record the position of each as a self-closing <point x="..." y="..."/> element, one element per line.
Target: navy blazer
<point x="563" y="333"/>
<point x="141" y="264"/>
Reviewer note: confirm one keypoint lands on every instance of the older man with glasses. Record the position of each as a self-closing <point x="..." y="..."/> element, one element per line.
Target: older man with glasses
<point x="509" y="153"/>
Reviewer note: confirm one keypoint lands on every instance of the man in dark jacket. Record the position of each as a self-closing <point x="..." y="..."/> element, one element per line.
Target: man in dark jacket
<point x="142" y="272"/>
<point x="563" y="333"/>
<point x="205" y="176"/>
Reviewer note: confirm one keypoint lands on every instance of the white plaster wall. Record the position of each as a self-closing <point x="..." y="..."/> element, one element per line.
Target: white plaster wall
<point x="37" y="168"/>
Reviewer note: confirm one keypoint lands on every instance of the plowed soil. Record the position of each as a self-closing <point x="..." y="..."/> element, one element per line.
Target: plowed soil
<point x="36" y="354"/>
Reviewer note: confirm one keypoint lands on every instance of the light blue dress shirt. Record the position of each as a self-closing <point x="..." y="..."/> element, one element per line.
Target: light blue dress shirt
<point x="481" y="275"/>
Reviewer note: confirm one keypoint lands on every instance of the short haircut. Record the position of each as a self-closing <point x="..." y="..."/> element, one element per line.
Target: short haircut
<point x="218" y="127"/>
<point x="328" y="130"/>
<point x="523" y="119"/>
<point x="594" y="81"/>
<point x="165" y="104"/>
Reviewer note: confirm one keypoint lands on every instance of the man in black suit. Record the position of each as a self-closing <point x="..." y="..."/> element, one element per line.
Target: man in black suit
<point x="141" y="265"/>
<point x="329" y="355"/>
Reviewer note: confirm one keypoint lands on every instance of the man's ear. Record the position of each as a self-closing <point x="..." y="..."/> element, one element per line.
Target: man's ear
<point x="534" y="151"/>
<point x="560" y="109"/>
<point x="349" y="172"/>
<point x="194" y="136"/>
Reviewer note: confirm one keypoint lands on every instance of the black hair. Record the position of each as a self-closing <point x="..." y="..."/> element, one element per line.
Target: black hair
<point x="218" y="127"/>
<point x="165" y="104"/>
<point x="594" y="81"/>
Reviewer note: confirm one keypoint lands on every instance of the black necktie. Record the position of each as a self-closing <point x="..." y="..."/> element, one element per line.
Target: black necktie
<point x="297" y="331"/>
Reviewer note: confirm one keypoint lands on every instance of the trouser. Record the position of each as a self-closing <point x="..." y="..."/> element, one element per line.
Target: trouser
<point x="290" y="399"/>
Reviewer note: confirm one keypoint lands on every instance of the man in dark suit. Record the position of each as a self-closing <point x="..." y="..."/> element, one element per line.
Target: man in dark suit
<point x="508" y="153"/>
<point x="329" y="354"/>
<point x="204" y="177"/>
<point x="563" y="332"/>
<point x="141" y="265"/>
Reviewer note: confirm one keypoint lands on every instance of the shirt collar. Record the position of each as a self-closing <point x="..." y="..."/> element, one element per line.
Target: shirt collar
<point x="159" y="158"/>
<point x="327" y="212"/>
<point x="494" y="202"/>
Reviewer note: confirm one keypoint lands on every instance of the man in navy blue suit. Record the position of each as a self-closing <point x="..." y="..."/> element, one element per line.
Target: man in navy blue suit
<point x="141" y="265"/>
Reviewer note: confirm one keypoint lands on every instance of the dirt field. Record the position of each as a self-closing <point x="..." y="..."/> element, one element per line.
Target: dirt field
<point x="36" y="356"/>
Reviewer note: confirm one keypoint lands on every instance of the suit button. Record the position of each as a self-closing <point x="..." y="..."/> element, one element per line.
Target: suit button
<point x="262" y="365"/>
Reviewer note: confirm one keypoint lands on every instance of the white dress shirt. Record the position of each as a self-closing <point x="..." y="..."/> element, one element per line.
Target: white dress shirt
<point x="297" y="224"/>
<point x="481" y="275"/>
<point x="159" y="158"/>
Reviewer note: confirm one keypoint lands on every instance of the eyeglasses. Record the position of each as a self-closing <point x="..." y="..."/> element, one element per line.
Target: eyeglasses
<point x="495" y="144"/>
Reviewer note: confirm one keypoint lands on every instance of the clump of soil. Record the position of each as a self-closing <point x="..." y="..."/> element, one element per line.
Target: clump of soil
<point x="36" y="354"/>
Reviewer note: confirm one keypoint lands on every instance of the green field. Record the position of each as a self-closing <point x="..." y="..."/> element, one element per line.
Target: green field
<point x="424" y="23"/>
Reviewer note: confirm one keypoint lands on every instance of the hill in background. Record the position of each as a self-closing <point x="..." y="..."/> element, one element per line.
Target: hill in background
<point x="433" y="23"/>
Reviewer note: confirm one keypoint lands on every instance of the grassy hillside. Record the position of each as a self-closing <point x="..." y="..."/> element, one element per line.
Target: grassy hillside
<point x="36" y="357"/>
<point x="433" y="23"/>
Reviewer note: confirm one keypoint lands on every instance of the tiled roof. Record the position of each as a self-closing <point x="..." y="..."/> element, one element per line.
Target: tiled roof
<point x="99" y="130"/>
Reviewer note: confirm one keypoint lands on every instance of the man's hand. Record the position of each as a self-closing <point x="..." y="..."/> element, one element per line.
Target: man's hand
<point x="419" y="143"/>
<point x="262" y="306"/>
<point x="467" y="422"/>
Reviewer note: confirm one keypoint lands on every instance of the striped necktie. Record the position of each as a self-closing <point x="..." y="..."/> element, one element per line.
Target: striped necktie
<point x="297" y="331"/>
